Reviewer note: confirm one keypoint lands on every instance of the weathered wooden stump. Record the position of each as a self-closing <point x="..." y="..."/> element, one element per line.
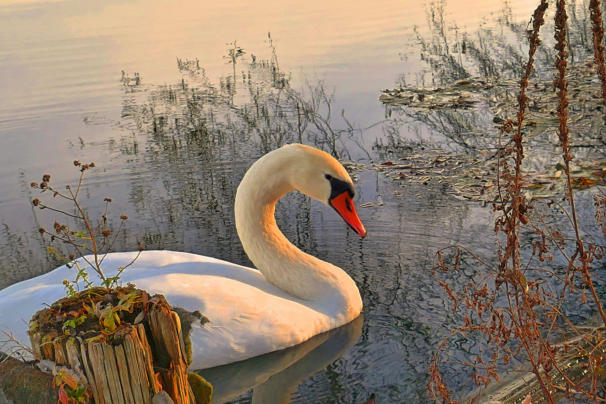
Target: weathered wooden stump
<point x="170" y="350"/>
<point x="123" y="345"/>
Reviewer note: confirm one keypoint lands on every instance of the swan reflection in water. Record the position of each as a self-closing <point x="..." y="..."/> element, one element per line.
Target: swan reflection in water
<point x="276" y="375"/>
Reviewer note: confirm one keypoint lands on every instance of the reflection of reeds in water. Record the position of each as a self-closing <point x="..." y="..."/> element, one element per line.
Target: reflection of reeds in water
<point x="463" y="117"/>
<point x="491" y="54"/>
<point x="24" y="253"/>
<point x="496" y="49"/>
<point x="201" y="137"/>
<point x="17" y="258"/>
<point x="257" y="109"/>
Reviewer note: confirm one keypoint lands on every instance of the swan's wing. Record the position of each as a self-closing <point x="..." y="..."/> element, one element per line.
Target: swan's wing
<point x="248" y="316"/>
<point x="20" y="301"/>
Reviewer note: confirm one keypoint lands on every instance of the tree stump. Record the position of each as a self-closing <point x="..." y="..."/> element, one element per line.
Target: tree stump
<point x="122" y="344"/>
<point x="166" y="333"/>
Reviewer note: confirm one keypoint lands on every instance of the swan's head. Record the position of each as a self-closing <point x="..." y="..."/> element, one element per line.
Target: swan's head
<point x="322" y="177"/>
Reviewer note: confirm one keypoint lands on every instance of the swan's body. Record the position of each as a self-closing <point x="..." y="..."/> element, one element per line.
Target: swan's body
<point x="292" y="297"/>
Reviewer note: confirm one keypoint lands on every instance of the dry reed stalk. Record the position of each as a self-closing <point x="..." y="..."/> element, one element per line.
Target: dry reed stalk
<point x="521" y="314"/>
<point x="521" y="307"/>
<point x="528" y="301"/>
<point x="516" y="211"/>
<point x="598" y="49"/>
<point x="564" y="136"/>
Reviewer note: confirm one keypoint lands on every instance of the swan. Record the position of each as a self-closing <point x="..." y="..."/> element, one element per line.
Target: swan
<point x="288" y="299"/>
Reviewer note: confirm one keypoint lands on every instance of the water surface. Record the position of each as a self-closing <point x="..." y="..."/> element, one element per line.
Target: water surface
<point x="171" y="149"/>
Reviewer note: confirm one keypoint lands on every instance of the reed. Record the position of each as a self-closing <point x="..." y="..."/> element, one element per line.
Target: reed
<point x="517" y="310"/>
<point x="597" y="28"/>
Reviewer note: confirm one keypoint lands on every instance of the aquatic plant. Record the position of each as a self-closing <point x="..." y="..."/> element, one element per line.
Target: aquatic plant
<point x="517" y="311"/>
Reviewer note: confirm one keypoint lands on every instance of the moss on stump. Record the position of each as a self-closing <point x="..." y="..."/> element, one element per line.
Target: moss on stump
<point x="22" y="383"/>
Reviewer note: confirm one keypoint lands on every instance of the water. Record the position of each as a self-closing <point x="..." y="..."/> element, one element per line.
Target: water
<point x="61" y="66"/>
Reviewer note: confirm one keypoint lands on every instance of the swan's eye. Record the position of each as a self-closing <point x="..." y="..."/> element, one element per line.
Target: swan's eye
<point x="337" y="186"/>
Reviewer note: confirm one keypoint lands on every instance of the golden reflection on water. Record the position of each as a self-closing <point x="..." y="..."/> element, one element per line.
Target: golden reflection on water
<point x="69" y="43"/>
<point x="61" y="60"/>
<point x="314" y="33"/>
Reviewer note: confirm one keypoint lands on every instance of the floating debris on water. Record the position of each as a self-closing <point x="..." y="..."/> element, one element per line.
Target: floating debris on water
<point x="467" y="167"/>
<point x="475" y="178"/>
<point x="462" y="94"/>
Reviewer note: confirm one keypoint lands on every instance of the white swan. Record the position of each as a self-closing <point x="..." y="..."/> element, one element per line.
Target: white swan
<point x="294" y="296"/>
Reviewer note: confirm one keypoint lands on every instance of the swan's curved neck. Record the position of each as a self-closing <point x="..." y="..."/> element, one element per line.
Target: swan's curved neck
<point x="284" y="265"/>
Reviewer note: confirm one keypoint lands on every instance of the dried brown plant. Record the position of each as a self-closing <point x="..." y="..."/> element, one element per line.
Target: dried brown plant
<point x="90" y="244"/>
<point x="597" y="28"/>
<point x="600" y="212"/>
<point x="515" y="311"/>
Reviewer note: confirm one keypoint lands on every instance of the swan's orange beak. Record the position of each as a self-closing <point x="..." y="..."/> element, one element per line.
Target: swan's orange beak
<point x="344" y="205"/>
